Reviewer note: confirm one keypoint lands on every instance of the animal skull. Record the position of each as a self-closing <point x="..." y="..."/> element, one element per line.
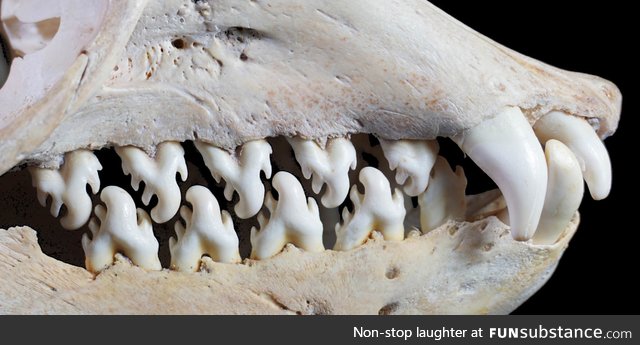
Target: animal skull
<point x="258" y="86"/>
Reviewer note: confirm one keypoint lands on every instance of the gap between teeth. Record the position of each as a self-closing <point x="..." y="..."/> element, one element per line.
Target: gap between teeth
<point x="542" y="190"/>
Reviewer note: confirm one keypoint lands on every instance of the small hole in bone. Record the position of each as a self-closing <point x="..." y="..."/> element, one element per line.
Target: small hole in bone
<point x="178" y="43"/>
<point x="244" y="57"/>
<point x="389" y="309"/>
<point x="392" y="273"/>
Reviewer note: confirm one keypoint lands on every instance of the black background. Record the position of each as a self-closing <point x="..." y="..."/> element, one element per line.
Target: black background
<point x="598" y="271"/>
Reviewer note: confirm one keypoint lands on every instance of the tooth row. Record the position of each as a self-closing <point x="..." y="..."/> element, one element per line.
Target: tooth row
<point x="158" y="174"/>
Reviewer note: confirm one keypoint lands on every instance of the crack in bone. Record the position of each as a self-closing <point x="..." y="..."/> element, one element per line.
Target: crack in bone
<point x="208" y="232"/>
<point x="67" y="186"/>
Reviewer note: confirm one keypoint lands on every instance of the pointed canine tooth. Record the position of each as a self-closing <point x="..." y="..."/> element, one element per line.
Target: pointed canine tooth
<point x="158" y="174"/>
<point x="121" y="228"/>
<point x="329" y="166"/>
<point x="68" y="186"/>
<point x="294" y="219"/>
<point x="444" y="198"/>
<point x="241" y="173"/>
<point x="208" y="231"/>
<point x="507" y="150"/>
<point x="564" y="192"/>
<point x="376" y="210"/>
<point x="590" y="151"/>
<point x="411" y="158"/>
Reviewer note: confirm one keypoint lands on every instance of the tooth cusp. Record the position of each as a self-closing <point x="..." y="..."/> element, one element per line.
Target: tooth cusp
<point x="293" y="219"/>
<point x="67" y="186"/>
<point x="241" y="173"/>
<point x="329" y="165"/>
<point x="375" y="210"/>
<point x="412" y="160"/>
<point x="120" y="228"/>
<point x="444" y="198"/>
<point x="158" y="174"/>
<point x="208" y="231"/>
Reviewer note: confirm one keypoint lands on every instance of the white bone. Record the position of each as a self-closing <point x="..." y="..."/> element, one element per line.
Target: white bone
<point x="240" y="172"/>
<point x="583" y="141"/>
<point x="507" y="150"/>
<point x="120" y="228"/>
<point x="564" y="192"/>
<point x="329" y="165"/>
<point x="68" y="186"/>
<point x="291" y="220"/>
<point x="158" y="174"/>
<point x="444" y="199"/>
<point x="412" y="160"/>
<point x="208" y="232"/>
<point x="375" y="210"/>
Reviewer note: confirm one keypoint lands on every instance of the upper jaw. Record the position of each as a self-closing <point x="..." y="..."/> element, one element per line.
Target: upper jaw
<point x="371" y="76"/>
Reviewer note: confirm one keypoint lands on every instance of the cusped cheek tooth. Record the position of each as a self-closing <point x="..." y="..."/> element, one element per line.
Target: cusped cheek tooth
<point x="329" y="165"/>
<point x="120" y="228"/>
<point x="241" y="173"/>
<point x="158" y="174"/>
<point x="293" y="219"/>
<point x="507" y="150"/>
<point x="564" y="192"/>
<point x="68" y="186"/>
<point x="590" y="151"/>
<point x="444" y="198"/>
<point x="412" y="160"/>
<point x="375" y="210"/>
<point x="208" y="231"/>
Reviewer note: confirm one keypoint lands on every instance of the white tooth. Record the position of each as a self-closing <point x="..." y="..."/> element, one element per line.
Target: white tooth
<point x="158" y="174"/>
<point x="68" y="186"/>
<point x="564" y="192"/>
<point x="590" y="151"/>
<point x="208" y="231"/>
<point x="444" y="198"/>
<point x="413" y="159"/>
<point x="375" y="210"/>
<point x="329" y="165"/>
<point x="483" y="205"/>
<point x="240" y="172"/>
<point x="506" y="148"/>
<point x="120" y="228"/>
<point x="293" y="219"/>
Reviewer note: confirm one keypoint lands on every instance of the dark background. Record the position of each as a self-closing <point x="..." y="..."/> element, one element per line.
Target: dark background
<point x="598" y="271"/>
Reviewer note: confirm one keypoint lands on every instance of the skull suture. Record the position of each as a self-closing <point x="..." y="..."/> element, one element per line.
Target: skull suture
<point x="304" y="99"/>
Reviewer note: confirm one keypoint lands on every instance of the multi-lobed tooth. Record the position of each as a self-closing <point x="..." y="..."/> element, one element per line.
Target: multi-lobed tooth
<point x="293" y="219"/>
<point x="578" y="135"/>
<point x="120" y="228"/>
<point x="158" y="174"/>
<point x="241" y="173"/>
<point x="412" y="160"/>
<point x="378" y="209"/>
<point x="507" y="150"/>
<point x="329" y="165"/>
<point x="207" y="232"/>
<point x="444" y="198"/>
<point x="67" y="186"/>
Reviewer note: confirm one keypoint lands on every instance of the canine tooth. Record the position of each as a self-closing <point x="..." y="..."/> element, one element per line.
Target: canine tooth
<point x="241" y="173"/>
<point x="444" y="198"/>
<point x="158" y="174"/>
<point x="506" y="148"/>
<point x="590" y="151"/>
<point x="329" y="165"/>
<point x="564" y="192"/>
<point x="291" y="220"/>
<point x="411" y="159"/>
<point x="208" y="231"/>
<point x="375" y="210"/>
<point x="68" y="186"/>
<point x="121" y="229"/>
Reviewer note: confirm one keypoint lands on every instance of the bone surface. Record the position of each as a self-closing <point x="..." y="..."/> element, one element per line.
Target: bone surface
<point x="119" y="227"/>
<point x="68" y="186"/>
<point x="241" y="173"/>
<point x="208" y="231"/>
<point x="293" y="219"/>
